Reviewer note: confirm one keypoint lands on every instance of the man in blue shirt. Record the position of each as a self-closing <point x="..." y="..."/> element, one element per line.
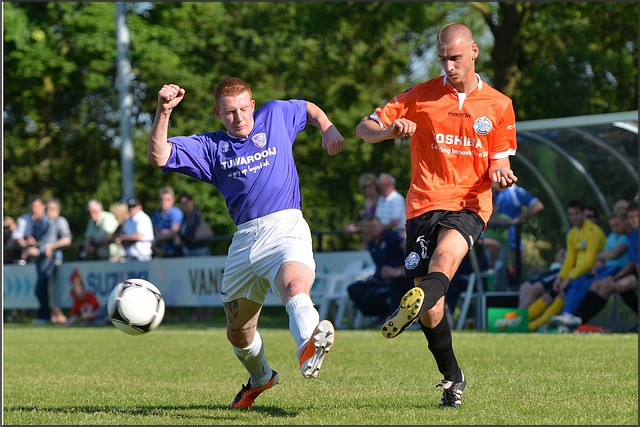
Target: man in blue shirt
<point x="252" y="165"/>
<point x="511" y="206"/>
<point x="167" y="220"/>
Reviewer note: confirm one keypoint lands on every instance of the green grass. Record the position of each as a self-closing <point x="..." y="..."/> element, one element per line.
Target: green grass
<point x="188" y="375"/>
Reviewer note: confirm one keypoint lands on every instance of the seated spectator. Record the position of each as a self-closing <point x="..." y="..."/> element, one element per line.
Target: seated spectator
<point x="99" y="232"/>
<point x="85" y="307"/>
<point x="535" y="286"/>
<point x="624" y="282"/>
<point x="380" y="294"/>
<point x="621" y="206"/>
<point x="391" y="205"/>
<point x="583" y="242"/>
<point x="608" y="262"/>
<point x="137" y="233"/>
<point x="167" y="220"/>
<point x="195" y="232"/>
<point x="591" y="213"/>
<point x="367" y="185"/>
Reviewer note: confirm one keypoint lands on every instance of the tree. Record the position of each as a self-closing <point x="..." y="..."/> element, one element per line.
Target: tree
<point x="59" y="118"/>
<point x="564" y="59"/>
<point x="61" y="108"/>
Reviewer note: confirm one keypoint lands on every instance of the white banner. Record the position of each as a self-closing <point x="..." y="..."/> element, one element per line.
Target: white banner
<point x="184" y="282"/>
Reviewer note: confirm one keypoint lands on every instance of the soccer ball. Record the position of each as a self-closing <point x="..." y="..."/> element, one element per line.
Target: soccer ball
<point x="135" y="306"/>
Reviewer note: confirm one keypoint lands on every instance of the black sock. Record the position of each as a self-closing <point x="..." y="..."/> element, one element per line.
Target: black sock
<point x="631" y="299"/>
<point x="440" y="345"/>
<point x="591" y="304"/>
<point x="434" y="285"/>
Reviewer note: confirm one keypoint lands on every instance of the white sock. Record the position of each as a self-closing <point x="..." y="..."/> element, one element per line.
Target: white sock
<point x="252" y="357"/>
<point x="303" y="318"/>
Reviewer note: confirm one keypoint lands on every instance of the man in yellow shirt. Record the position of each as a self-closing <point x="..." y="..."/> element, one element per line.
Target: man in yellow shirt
<point x="584" y="241"/>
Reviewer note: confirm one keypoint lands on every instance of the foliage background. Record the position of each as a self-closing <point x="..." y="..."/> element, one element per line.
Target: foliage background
<point x="61" y="120"/>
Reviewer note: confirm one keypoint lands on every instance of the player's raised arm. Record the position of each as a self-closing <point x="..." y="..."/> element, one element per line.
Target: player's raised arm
<point x="158" y="149"/>
<point x="332" y="140"/>
<point x="373" y="131"/>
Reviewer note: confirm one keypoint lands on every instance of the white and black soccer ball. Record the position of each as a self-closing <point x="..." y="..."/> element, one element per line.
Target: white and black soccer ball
<point x="135" y="306"/>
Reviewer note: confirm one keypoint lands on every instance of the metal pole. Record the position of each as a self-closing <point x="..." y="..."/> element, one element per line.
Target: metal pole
<point x="125" y="99"/>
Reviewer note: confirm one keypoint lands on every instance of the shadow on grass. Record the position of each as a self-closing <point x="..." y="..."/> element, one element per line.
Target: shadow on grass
<point x="159" y="410"/>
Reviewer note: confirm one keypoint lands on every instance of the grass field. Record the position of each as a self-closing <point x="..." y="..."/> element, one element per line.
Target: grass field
<point x="188" y="375"/>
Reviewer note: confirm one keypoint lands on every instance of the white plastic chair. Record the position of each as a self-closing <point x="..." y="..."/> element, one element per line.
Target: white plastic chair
<point x="330" y="290"/>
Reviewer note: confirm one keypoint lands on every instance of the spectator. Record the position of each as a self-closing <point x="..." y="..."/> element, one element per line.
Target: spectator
<point x="11" y="249"/>
<point x="137" y="233"/>
<point x="591" y="213"/>
<point x="98" y="235"/>
<point x="117" y="252"/>
<point x="31" y="226"/>
<point x="391" y="205"/>
<point x="621" y="206"/>
<point x="584" y="241"/>
<point x="624" y="282"/>
<point x="367" y="185"/>
<point x="380" y="294"/>
<point x="512" y="206"/>
<point x="167" y="220"/>
<point x="85" y="307"/>
<point x="608" y="262"/>
<point x="42" y="235"/>
<point x="535" y="286"/>
<point x="195" y="232"/>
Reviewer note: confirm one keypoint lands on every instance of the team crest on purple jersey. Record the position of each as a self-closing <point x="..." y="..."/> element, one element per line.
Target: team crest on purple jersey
<point x="259" y="140"/>
<point x="225" y="147"/>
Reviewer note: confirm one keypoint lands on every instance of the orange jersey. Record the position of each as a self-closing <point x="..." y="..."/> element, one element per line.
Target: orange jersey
<point x="453" y="142"/>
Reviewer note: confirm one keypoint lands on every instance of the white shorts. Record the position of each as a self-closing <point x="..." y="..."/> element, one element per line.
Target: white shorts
<point x="258" y="248"/>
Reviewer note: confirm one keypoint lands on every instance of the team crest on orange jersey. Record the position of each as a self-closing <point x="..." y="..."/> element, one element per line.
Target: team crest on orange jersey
<point x="482" y="125"/>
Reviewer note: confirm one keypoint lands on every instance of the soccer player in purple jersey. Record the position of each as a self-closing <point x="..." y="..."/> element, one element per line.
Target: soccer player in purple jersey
<point x="252" y="165"/>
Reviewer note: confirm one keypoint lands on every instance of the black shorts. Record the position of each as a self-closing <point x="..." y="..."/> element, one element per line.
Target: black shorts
<point x="422" y="235"/>
<point x="547" y="280"/>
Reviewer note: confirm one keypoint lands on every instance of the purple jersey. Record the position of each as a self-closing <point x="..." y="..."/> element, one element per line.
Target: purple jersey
<point x="256" y="175"/>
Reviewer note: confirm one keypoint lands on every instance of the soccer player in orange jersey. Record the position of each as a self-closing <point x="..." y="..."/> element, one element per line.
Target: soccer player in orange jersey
<point x="462" y="134"/>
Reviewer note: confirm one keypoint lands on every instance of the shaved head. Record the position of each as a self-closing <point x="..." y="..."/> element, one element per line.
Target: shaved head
<point x="455" y="32"/>
<point x="457" y="52"/>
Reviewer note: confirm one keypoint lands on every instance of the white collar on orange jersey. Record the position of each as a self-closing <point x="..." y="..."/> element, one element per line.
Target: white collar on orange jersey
<point x="463" y="95"/>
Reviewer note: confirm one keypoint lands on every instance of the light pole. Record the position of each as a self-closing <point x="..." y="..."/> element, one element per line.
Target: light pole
<point x="125" y="100"/>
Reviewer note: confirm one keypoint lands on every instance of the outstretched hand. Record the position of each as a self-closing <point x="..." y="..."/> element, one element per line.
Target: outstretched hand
<point x="169" y="96"/>
<point x="332" y="140"/>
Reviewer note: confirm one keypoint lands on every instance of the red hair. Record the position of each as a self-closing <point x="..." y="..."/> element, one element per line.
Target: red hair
<point x="231" y="86"/>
